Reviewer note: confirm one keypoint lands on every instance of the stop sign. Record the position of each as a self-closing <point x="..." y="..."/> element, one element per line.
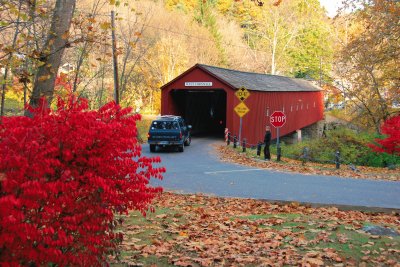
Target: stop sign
<point x="277" y="119"/>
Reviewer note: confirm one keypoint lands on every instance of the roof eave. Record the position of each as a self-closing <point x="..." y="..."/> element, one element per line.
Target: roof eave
<point x="178" y="77"/>
<point x="199" y="66"/>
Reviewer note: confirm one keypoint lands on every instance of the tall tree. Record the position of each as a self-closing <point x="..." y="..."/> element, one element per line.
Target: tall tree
<point x="368" y="63"/>
<point x="276" y="29"/>
<point x="292" y="34"/>
<point x="23" y="28"/>
<point x="206" y="16"/>
<point x="311" y="54"/>
<point x="57" y="41"/>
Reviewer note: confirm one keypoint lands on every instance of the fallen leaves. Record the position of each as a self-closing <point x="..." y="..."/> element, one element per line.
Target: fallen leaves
<point x="198" y="230"/>
<point x="313" y="259"/>
<point x="229" y="154"/>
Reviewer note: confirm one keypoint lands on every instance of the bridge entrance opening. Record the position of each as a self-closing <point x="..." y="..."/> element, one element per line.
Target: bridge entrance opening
<point x="205" y="110"/>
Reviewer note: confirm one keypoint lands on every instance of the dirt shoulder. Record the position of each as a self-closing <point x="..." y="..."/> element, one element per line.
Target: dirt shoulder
<point x="229" y="154"/>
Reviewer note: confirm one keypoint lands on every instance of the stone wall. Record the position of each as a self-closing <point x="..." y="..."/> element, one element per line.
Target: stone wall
<point x="316" y="130"/>
<point x="310" y="132"/>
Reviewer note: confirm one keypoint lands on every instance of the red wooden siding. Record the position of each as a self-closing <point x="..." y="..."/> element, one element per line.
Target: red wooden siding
<point x="301" y="109"/>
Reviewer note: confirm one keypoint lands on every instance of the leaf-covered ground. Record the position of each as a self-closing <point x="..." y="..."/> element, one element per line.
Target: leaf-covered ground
<point x="197" y="230"/>
<point x="229" y="154"/>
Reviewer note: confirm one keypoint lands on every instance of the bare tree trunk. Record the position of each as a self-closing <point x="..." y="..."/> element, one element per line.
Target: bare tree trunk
<point x="274" y="45"/>
<point x="273" y="56"/>
<point x="32" y="14"/>
<point x="79" y="65"/>
<point x="103" y="73"/>
<point x="102" y="86"/>
<point x="115" y="62"/>
<point x="51" y="55"/>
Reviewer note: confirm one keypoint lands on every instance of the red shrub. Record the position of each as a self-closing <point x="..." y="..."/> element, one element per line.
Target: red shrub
<point x="63" y="176"/>
<point x="390" y="144"/>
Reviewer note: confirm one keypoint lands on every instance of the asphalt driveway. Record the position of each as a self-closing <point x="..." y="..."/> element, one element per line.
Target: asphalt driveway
<point x="198" y="170"/>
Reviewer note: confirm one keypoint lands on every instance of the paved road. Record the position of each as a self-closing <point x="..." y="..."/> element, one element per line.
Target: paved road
<point x="199" y="170"/>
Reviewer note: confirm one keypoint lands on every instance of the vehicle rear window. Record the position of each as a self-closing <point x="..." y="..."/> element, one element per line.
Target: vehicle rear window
<point x="164" y="125"/>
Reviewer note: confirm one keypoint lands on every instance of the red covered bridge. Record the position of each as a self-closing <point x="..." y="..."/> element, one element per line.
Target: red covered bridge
<point x="205" y="96"/>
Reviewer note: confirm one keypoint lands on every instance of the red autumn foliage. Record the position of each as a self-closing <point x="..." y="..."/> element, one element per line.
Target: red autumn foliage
<point x="391" y="144"/>
<point x="61" y="82"/>
<point x="64" y="174"/>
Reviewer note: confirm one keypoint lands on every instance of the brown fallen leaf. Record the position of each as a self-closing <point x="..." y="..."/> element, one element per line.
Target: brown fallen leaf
<point x="219" y="232"/>
<point x="183" y="234"/>
<point x="228" y="154"/>
<point x="315" y="261"/>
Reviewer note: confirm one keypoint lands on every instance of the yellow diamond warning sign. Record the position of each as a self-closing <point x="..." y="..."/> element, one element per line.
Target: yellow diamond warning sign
<point x="241" y="109"/>
<point x="242" y="93"/>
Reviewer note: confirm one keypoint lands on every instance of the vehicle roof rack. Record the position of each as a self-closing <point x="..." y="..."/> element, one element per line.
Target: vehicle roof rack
<point x="168" y="117"/>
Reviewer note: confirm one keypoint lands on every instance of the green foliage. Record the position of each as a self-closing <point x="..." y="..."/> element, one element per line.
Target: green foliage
<point x="185" y="6"/>
<point x="206" y="17"/>
<point x="310" y="56"/>
<point x="13" y="107"/>
<point x="294" y="35"/>
<point x="375" y="159"/>
<point x="312" y="52"/>
<point x="353" y="148"/>
<point x="338" y="113"/>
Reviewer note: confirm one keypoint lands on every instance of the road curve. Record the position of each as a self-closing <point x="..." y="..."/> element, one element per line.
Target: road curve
<point x="198" y="170"/>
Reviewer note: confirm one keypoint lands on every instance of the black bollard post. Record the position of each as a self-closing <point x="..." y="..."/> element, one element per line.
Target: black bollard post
<point x="259" y="148"/>
<point x="337" y="159"/>
<point x="278" y="156"/>
<point x="228" y="142"/>
<point x="234" y="141"/>
<point x="244" y="145"/>
<point x="304" y="156"/>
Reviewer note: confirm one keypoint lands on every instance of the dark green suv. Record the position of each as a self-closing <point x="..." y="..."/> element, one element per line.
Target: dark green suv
<point x="169" y="130"/>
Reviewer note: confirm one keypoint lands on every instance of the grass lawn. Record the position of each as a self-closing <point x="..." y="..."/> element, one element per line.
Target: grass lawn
<point x="197" y="230"/>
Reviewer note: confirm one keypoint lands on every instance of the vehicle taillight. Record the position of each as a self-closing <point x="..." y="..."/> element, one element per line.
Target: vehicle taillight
<point x="180" y="136"/>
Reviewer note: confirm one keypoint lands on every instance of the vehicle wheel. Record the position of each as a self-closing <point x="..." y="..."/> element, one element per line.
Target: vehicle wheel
<point x="188" y="141"/>
<point x="181" y="148"/>
<point x="152" y="148"/>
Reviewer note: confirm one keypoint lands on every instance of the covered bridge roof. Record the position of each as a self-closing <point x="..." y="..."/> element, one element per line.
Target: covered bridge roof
<point x="258" y="81"/>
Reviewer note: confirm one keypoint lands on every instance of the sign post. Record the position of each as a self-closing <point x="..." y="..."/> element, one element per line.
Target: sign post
<point x="241" y="109"/>
<point x="277" y="119"/>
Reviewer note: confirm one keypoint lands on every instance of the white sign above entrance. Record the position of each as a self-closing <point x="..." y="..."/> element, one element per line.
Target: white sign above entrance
<point x="198" y="83"/>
